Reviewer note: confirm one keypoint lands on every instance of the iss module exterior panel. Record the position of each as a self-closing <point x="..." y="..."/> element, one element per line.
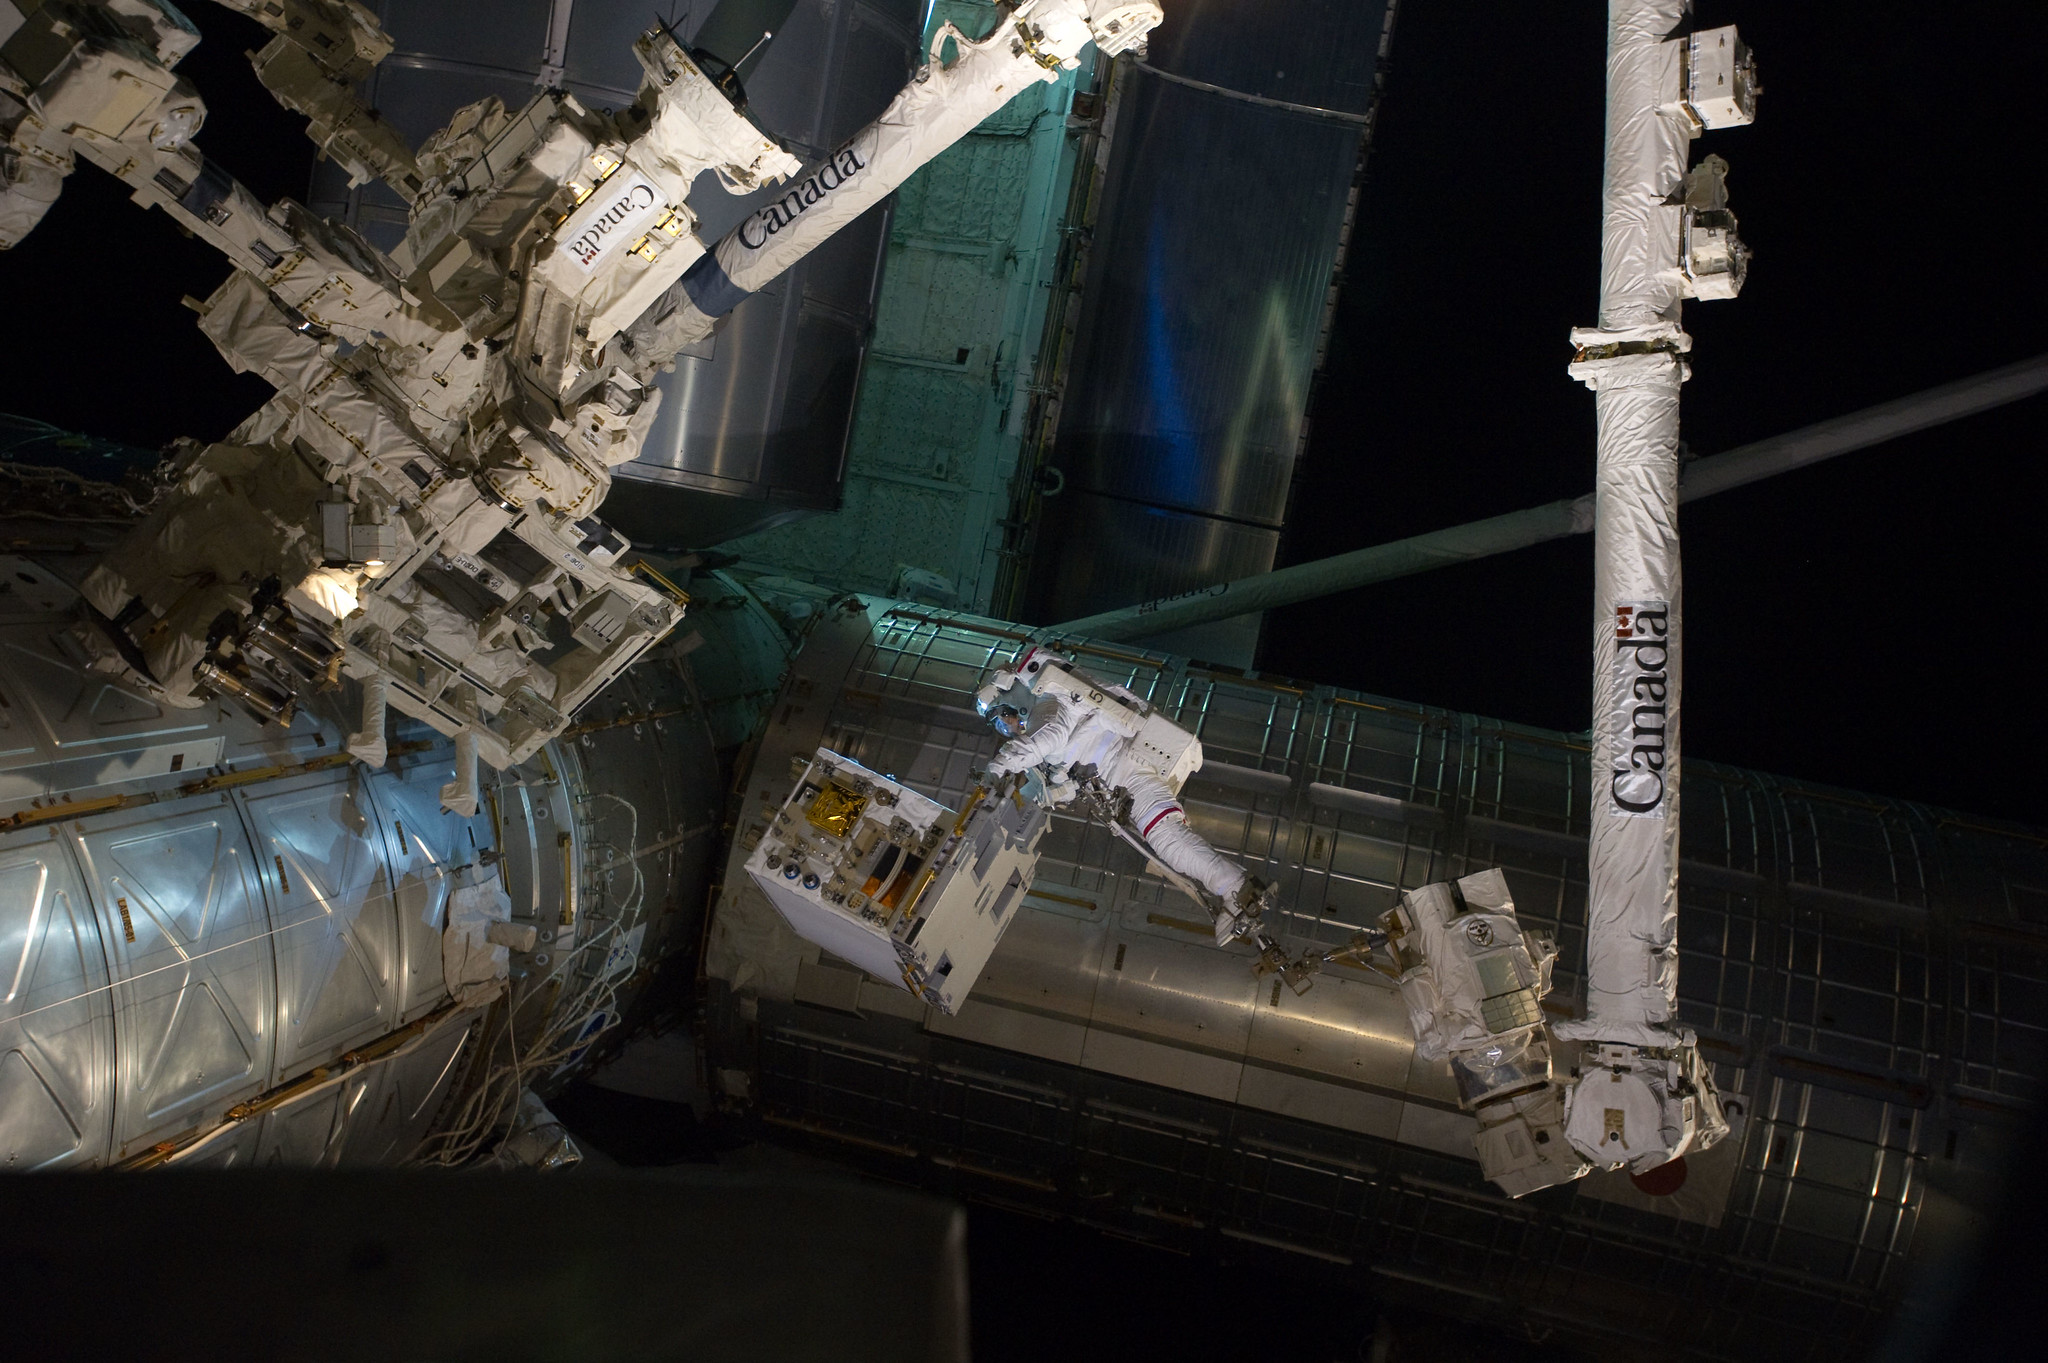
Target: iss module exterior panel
<point x="56" y="1022"/>
<point x="1212" y="318"/>
<point x="407" y="1094"/>
<point x="1312" y="52"/>
<point x="336" y="930"/>
<point x="1036" y="993"/>
<point x="1199" y="334"/>
<point x="182" y="916"/>
<point x="425" y="843"/>
<point x="1866" y="976"/>
<point x="80" y="730"/>
<point x="755" y="432"/>
<point x="233" y="954"/>
<point x="1169" y="1016"/>
<point x="1110" y="552"/>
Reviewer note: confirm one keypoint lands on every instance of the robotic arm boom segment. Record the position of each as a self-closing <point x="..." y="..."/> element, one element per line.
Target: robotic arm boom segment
<point x="943" y="103"/>
<point x="436" y="404"/>
<point x="322" y="48"/>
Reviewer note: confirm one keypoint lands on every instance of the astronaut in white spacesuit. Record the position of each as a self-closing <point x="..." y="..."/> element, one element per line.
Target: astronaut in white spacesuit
<point x="1076" y="728"/>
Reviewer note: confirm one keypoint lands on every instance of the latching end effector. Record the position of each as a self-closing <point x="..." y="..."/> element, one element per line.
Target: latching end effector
<point x="1473" y="980"/>
<point x="1643" y="1106"/>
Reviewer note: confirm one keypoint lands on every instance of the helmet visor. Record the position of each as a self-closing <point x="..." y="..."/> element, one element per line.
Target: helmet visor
<point x="1007" y="720"/>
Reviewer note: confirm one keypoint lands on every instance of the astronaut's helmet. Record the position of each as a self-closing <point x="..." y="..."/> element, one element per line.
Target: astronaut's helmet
<point x="997" y="701"/>
<point x="992" y="703"/>
<point x="1007" y="719"/>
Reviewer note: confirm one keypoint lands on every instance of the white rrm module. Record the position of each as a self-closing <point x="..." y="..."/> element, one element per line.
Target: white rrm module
<point x="915" y="894"/>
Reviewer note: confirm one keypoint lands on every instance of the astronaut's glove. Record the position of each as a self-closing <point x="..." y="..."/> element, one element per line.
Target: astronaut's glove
<point x="1241" y="917"/>
<point x="1009" y="758"/>
<point x="1055" y="787"/>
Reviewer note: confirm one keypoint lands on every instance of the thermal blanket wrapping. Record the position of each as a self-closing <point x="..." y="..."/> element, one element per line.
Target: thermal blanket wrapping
<point x="536" y="1139"/>
<point x="939" y="107"/>
<point x="28" y="187"/>
<point x="1632" y="363"/>
<point x="472" y="966"/>
<point x="1632" y="910"/>
<point x="1648" y="139"/>
<point x="1470" y="952"/>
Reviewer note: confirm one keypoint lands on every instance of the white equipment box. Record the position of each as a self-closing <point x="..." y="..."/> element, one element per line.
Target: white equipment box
<point x="908" y="890"/>
<point x="1720" y="79"/>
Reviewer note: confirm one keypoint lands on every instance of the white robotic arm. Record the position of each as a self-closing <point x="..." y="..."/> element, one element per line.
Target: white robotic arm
<point x="1031" y="43"/>
<point x="419" y="499"/>
<point x="322" y="49"/>
<point x="1473" y="981"/>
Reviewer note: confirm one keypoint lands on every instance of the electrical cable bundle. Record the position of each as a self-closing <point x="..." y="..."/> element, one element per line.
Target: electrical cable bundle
<point x="484" y="1119"/>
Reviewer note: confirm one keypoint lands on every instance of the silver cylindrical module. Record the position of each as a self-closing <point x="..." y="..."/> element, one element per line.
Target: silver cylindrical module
<point x="1864" y="975"/>
<point x="226" y="942"/>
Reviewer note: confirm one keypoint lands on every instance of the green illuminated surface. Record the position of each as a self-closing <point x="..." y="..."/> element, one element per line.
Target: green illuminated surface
<point x="939" y="417"/>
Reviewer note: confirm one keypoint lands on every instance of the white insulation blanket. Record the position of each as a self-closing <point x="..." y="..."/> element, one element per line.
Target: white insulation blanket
<point x="939" y="107"/>
<point x="1632" y="363"/>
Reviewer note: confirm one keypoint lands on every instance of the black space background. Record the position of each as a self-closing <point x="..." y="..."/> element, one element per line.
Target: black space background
<point x="94" y="337"/>
<point x="1872" y="623"/>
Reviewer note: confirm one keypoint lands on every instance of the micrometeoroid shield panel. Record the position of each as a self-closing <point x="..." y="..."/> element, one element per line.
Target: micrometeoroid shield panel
<point x="915" y="894"/>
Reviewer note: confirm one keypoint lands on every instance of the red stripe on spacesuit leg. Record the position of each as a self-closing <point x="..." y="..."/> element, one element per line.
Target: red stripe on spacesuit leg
<point x="1170" y="809"/>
